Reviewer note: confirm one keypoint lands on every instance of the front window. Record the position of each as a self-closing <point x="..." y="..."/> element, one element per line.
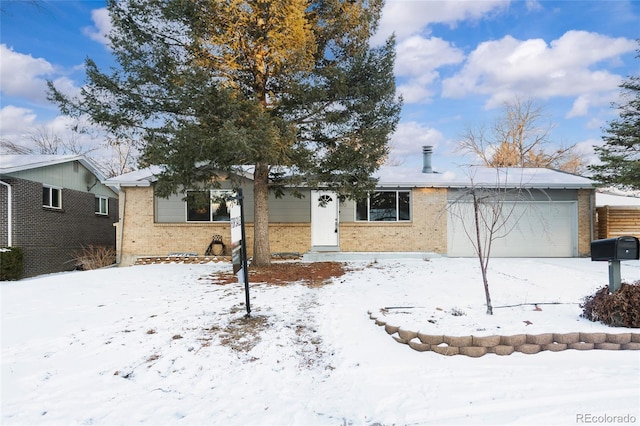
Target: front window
<point x="51" y="197"/>
<point x="208" y="206"/>
<point x="388" y="206"/>
<point x="102" y="206"/>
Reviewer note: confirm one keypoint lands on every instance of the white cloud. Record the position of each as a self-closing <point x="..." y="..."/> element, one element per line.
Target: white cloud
<point x="407" y="17"/>
<point x="417" y="54"/>
<point x="416" y="90"/>
<point x="102" y="26"/>
<point x="595" y="123"/>
<point x="583" y="103"/>
<point x="585" y="148"/>
<point x="14" y="120"/>
<point x="61" y="125"/>
<point x="66" y="86"/>
<point x="23" y="75"/>
<point x="417" y="59"/>
<point x="408" y="139"/>
<point x="565" y="67"/>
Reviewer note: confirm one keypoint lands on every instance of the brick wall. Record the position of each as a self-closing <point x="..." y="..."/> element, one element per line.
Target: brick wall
<point x="143" y="237"/>
<point x="51" y="238"/>
<point x="426" y="232"/>
<point x="586" y="220"/>
<point x="3" y="215"/>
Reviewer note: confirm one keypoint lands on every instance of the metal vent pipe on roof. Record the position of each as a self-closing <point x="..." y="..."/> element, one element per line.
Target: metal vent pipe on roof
<point x="426" y="159"/>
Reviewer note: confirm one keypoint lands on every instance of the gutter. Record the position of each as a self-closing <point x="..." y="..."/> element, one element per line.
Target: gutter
<point x="457" y="185"/>
<point x="9" y="214"/>
<point x="122" y="198"/>
<point x="592" y="213"/>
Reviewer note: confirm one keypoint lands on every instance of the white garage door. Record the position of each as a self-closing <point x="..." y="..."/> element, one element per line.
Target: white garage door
<point x="531" y="229"/>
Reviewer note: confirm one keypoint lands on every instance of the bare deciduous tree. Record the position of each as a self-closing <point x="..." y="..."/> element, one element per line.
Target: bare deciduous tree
<point x="9" y="147"/>
<point x="519" y="137"/>
<point x="46" y="141"/>
<point x="120" y="157"/>
<point x="124" y="157"/>
<point x="493" y="218"/>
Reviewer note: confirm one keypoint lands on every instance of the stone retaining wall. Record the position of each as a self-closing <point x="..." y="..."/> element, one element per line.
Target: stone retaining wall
<point x="477" y="346"/>
<point x="150" y="260"/>
<point x="190" y="258"/>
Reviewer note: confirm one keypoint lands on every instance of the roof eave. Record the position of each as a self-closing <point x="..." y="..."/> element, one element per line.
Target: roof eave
<point x="483" y="186"/>
<point x="142" y="183"/>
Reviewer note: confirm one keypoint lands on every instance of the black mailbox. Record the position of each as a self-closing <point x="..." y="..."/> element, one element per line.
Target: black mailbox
<point x="620" y="248"/>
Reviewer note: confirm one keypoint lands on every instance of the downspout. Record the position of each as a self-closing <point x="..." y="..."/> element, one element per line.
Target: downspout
<point x="121" y="201"/>
<point x="592" y="211"/>
<point x="9" y="216"/>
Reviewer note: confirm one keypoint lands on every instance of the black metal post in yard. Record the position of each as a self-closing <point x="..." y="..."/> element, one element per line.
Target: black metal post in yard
<point x="245" y="266"/>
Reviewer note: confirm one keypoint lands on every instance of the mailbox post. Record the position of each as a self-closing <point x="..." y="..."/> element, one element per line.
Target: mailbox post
<point x="614" y="250"/>
<point x="615" y="277"/>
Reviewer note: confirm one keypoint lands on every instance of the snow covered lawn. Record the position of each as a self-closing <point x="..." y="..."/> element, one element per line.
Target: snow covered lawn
<point x="165" y="344"/>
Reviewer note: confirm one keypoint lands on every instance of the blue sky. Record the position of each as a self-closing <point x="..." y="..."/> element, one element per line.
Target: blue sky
<point x="457" y="62"/>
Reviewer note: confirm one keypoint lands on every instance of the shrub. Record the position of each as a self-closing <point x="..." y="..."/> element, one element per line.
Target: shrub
<point x="94" y="257"/>
<point x="11" y="263"/>
<point x="619" y="309"/>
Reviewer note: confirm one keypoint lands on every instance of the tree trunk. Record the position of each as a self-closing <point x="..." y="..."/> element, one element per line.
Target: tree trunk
<point x="487" y="295"/>
<point x="261" y="251"/>
<point x="484" y="264"/>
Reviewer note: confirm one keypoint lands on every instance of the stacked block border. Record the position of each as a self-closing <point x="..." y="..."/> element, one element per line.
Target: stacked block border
<point x="151" y="260"/>
<point x="477" y="346"/>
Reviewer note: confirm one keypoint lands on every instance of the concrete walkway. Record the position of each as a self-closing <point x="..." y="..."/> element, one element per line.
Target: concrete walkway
<point x="339" y="256"/>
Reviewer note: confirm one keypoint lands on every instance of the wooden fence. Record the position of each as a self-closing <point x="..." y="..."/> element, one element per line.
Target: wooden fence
<point x="613" y="221"/>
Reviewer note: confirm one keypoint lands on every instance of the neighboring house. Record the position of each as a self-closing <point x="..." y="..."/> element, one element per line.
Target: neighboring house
<point x="617" y="198"/>
<point x="411" y="211"/>
<point x="51" y="206"/>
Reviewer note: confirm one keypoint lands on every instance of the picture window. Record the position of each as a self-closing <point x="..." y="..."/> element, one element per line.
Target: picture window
<point x="385" y="206"/>
<point x="208" y="206"/>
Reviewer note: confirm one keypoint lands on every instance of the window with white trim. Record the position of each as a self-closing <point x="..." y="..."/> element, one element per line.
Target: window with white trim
<point x="51" y="197"/>
<point x="102" y="205"/>
<point x="385" y="206"/>
<point x="208" y="205"/>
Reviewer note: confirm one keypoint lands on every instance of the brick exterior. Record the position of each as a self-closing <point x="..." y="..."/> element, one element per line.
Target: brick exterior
<point x="586" y="221"/>
<point x="3" y="215"/>
<point x="51" y="238"/>
<point x="143" y="237"/>
<point x="426" y="232"/>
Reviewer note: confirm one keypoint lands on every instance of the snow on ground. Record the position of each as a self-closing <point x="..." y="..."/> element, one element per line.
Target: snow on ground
<point x="164" y="345"/>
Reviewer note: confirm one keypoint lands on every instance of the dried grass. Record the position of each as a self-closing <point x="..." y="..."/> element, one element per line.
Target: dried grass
<point x="94" y="257"/>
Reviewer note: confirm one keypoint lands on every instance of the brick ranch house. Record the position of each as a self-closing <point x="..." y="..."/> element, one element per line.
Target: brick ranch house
<point x="410" y="211"/>
<point x="53" y="205"/>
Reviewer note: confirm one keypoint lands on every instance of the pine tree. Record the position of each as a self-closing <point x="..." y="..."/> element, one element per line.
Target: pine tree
<point x="208" y="85"/>
<point x="620" y="155"/>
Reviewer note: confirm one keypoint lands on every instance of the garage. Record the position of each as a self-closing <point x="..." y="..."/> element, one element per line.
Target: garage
<point x="523" y="229"/>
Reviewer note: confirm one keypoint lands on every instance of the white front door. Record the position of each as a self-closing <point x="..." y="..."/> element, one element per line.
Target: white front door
<point x="324" y="220"/>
